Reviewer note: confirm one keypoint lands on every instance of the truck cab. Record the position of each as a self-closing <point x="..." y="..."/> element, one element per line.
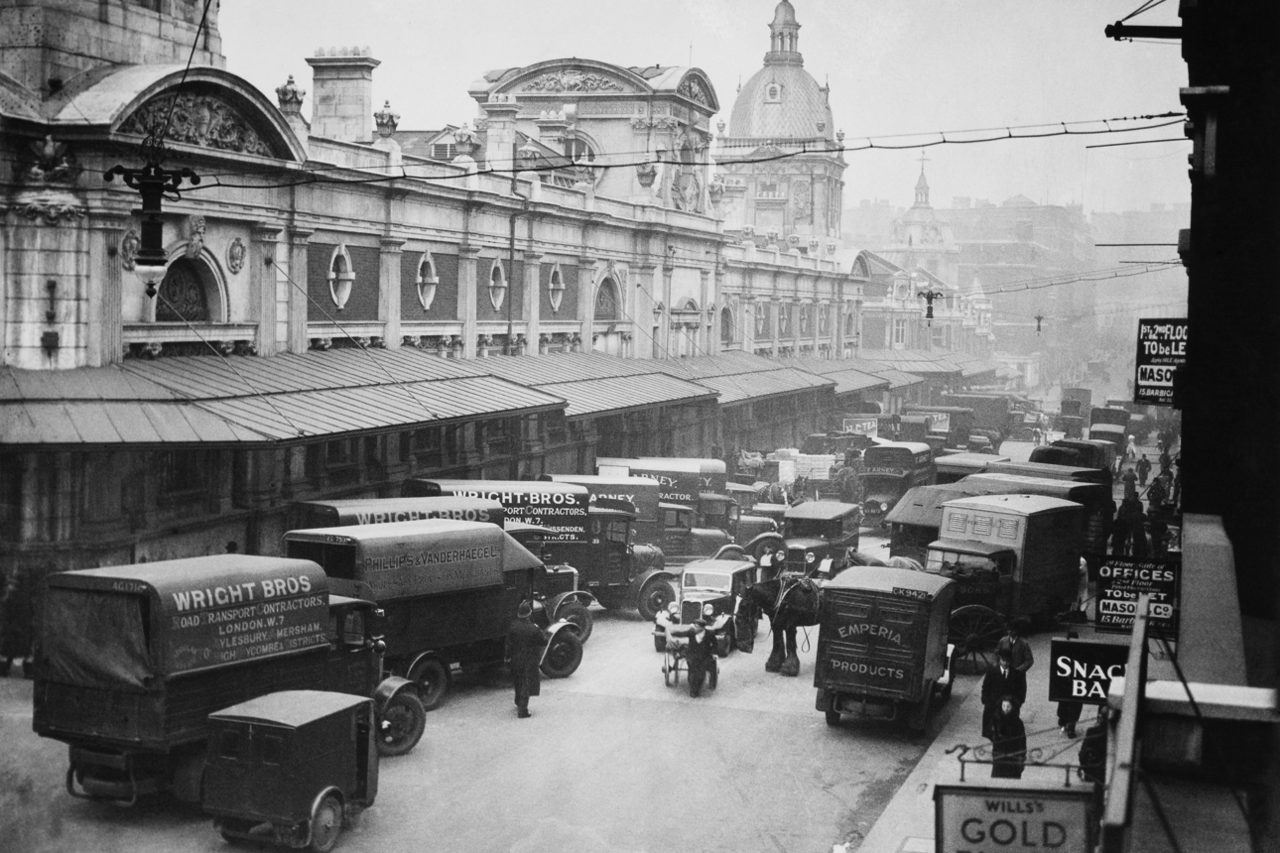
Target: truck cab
<point x="682" y="541"/>
<point x="818" y="536"/>
<point x="292" y="767"/>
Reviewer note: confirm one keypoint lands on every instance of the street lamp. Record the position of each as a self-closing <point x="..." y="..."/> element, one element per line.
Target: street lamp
<point x="1039" y="319"/>
<point x="928" y="296"/>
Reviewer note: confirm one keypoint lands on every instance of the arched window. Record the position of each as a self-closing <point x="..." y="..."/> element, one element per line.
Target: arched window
<point x="497" y="285"/>
<point x="580" y="151"/>
<point x="727" y="332"/>
<point x="555" y="289"/>
<point x="607" y="300"/>
<point x="182" y="296"/>
<point x="804" y="319"/>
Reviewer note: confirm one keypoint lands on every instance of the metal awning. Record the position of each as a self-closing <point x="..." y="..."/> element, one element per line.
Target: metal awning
<point x="236" y="400"/>
<point x="618" y="394"/>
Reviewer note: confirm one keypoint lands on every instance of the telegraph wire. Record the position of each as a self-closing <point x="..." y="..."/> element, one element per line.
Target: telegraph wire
<point x="301" y="432"/>
<point x="156" y="144"/>
<point x="431" y="416"/>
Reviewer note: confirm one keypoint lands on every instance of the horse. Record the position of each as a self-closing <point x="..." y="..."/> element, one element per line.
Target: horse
<point x="790" y="601"/>
<point x="858" y="558"/>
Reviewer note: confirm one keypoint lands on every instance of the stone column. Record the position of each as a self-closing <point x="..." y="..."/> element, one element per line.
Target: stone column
<point x="468" y="258"/>
<point x="532" y="300"/>
<point x="750" y="306"/>
<point x="263" y="283"/>
<point x="664" y="327"/>
<point x="389" y="290"/>
<point x="707" y="301"/>
<point x="296" y="334"/>
<point x="586" y="300"/>
<point x="105" y="338"/>
<point x="644" y="307"/>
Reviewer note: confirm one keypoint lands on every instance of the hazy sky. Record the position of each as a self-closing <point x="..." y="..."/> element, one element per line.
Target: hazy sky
<point x="894" y="66"/>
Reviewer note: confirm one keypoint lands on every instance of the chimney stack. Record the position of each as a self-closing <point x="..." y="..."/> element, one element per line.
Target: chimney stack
<point x="342" y="98"/>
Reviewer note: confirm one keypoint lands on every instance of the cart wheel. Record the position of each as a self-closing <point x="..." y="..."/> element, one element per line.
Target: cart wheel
<point x="576" y="613"/>
<point x="659" y="643"/>
<point x="975" y="630"/>
<point x="326" y="825"/>
<point x="401" y="724"/>
<point x="713" y="677"/>
<point x="666" y="674"/>
<point x="432" y="678"/>
<point x="564" y="655"/>
<point x="833" y="718"/>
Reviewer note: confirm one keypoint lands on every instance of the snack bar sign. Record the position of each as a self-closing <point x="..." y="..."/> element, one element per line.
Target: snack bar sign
<point x="1162" y="350"/>
<point x="1081" y="671"/>
<point x="1121" y="580"/>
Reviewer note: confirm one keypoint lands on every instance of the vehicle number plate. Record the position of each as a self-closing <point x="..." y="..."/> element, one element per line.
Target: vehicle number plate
<point x="920" y="594"/>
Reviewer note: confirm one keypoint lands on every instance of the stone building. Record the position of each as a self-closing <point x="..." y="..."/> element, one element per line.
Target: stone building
<point x="327" y="313"/>
<point x="780" y="159"/>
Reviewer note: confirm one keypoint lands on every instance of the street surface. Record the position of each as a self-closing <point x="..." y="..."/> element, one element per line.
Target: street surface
<point x="612" y="761"/>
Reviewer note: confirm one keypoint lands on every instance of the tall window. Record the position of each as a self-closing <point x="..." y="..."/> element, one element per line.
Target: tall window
<point x="607" y="300"/>
<point x="727" y="333"/>
<point x="182" y="295"/>
<point x="555" y="289"/>
<point x="899" y="333"/>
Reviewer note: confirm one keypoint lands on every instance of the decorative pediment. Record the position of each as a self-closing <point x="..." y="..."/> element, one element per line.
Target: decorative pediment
<point x="202" y="119"/>
<point x="573" y="80"/>
<point x="698" y="89"/>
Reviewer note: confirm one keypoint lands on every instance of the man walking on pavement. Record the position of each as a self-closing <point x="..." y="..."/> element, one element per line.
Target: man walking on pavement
<point x="1130" y="481"/>
<point x="1015" y="644"/>
<point x="1000" y="681"/>
<point x="1143" y="467"/>
<point x="524" y="649"/>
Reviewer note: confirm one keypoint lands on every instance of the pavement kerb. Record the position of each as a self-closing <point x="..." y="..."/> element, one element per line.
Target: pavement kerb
<point x="907" y="823"/>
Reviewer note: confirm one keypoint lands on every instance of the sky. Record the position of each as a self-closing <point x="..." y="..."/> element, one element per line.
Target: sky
<point x="895" y="67"/>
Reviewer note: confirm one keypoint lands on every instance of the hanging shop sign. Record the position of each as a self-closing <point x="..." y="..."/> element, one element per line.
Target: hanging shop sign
<point x="970" y="819"/>
<point x="1122" y="579"/>
<point x="1081" y="670"/>
<point x="1162" y="351"/>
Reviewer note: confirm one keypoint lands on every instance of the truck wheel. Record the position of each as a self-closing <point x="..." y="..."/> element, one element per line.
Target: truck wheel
<point x="563" y="656"/>
<point x="577" y="613"/>
<point x="401" y="724"/>
<point x="833" y="718"/>
<point x="432" y="678"/>
<point x="655" y="597"/>
<point x="326" y="825"/>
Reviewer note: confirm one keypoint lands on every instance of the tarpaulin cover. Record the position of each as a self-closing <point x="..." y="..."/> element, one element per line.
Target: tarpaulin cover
<point x="96" y="640"/>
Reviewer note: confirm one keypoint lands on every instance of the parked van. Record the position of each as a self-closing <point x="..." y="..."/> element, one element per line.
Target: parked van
<point x="888" y="471"/>
<point x="342" y="513"/>
<point x="450" y="590"/>
<point x="559" y="507"/>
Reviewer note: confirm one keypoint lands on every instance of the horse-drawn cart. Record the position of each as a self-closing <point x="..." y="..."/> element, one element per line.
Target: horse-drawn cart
<point x="1010" y="556"/>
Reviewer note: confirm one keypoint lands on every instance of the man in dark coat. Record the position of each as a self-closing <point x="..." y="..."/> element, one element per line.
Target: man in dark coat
<point x="699" y="656"/>
<point x="1143" y="468"/>
<point x="1000" y="681"/>
<point x="524" y="649"/>
<point x="1008" y="741"/>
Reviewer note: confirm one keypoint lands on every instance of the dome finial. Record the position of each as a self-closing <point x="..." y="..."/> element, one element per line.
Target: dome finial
<point x="784" y="33"/>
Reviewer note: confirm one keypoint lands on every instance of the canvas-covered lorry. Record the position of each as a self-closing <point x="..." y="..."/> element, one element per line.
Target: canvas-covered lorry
<point x="882" y="644"/>
<point x="559" y="507"/>
<point x="450" y="590"/>
<point x="131" y="660"/>
<point x="1012" y="555"/>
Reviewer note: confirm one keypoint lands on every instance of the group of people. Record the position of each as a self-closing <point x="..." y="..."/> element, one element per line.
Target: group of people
<point x="1004" y="691"/>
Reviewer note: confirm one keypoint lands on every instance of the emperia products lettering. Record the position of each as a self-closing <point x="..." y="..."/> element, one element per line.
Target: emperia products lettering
<point x="872" y="670"/>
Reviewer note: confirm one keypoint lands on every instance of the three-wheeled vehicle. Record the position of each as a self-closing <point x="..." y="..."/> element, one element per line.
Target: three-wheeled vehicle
<point x="713" y="590"/>
<point x="132" y="660"/>
<point x="291" y="768"/>
<point x="815" y="541"/>
<point x="888" y="470"/>
<point x="882" y="644"/>
<point x="450" y="590"/>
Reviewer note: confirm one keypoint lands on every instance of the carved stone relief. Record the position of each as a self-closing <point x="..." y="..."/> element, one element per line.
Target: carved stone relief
<point x="572" y="80"/>
<point x="203" y="120"/>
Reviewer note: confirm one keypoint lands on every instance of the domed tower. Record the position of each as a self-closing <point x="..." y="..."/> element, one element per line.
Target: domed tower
<point x="782" y="110"/>
<point x="922" y="237"/>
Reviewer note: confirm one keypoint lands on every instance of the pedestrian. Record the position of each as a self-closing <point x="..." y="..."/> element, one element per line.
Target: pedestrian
<point x="1130" y="480"/>
<point x="1001" y="680"/>
<point x="1140" y="548"/>
<point x="700" y="655"/>
<point x="1157" y="493"/>
<point x="1093" y="749"/>
<point x="524" y="649"/>
<point x="1008" y="741"/>
<point x="1131" y="450"/>
<point x="1069" y="710"/>
<point x="1165" y="461"/>
<point x="1036" y="436"/>
<point x="1176" y="497"/>
<point x="1143" y="468"/>
<point x="1014" y="642"/>
<point x="1120" y="528"/>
